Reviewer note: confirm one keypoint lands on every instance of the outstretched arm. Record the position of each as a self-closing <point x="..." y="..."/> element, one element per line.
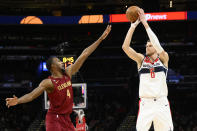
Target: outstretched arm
<point x="153" y="39"/>
<point x="72" y="69"/>
<point x="126" y="45"/>
<point x="44" y="85"/>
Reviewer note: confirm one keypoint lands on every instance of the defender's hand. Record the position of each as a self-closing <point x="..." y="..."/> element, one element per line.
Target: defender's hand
<point x="11" y="101"/>
<point x="106" y="32"/>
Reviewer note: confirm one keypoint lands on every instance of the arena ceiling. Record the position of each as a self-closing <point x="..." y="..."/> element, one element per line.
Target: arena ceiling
<point x="74" y="7"/>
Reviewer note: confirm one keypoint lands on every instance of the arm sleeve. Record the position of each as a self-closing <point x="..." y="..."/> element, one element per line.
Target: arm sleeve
<point x="154" y="40"/>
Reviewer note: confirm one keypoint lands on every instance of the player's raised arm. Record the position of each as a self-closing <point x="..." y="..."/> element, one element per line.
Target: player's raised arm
<point x="44" y="85"/>
<point x="126" y="45"/>
<point x="153" y="38"/>
<point x="71" y="70"/>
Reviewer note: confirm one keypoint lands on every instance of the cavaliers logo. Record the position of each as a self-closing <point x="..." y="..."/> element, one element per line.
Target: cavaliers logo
<point x="64" y="85"/>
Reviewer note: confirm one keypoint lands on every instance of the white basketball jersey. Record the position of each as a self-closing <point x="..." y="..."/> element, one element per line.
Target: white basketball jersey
<point x="152" y="79"/>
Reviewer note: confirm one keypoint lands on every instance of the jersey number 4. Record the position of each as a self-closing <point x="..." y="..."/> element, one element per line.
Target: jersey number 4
<point x="152" y="73"/>
<point x="68" y="93"/>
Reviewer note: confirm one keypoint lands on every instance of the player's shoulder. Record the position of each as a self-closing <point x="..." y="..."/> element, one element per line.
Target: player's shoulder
<point x="163" y="54"/>
<point x="46" y="83"/>
<point x="164" y="57"/>
<point x="141" y="55"/>
<point x="140" y="61"/>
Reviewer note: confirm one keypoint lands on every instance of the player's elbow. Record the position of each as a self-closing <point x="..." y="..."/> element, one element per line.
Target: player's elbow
<point x="123" y="47"/>
<point x="85" y="53"/>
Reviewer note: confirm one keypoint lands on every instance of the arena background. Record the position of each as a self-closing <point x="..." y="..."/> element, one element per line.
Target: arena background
<point x="111" y="77"/>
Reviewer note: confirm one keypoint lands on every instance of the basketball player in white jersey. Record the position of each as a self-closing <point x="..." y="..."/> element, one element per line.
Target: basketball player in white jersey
<point x="153" y="105"/>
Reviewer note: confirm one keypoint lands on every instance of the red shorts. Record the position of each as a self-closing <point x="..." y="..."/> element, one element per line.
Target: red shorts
<point x="56" y="122"/>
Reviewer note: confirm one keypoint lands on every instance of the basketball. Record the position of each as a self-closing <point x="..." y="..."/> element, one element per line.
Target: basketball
<point x="132" y="13"/>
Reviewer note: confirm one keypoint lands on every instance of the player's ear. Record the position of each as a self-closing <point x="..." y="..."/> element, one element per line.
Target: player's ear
<point x="52" y="65"/>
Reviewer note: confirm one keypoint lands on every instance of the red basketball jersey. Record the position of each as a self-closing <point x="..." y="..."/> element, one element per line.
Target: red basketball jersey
<point x="61" y="99"/>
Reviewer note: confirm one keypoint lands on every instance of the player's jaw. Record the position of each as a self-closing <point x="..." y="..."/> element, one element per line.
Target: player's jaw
<point x="150" y="50"/>
<point x="62" y="66"/>
<point x="59" y="65"/>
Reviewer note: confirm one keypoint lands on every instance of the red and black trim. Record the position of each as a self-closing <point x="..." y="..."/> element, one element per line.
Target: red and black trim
<point x="170" y="108"/>
<point x="156" y="69"/>
<point x="138" y="109"/>
<point x="147" y="60"/>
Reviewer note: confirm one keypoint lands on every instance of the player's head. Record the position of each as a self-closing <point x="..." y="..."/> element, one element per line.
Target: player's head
<point x="150" y="50"/>
<point x="54" y="64"/>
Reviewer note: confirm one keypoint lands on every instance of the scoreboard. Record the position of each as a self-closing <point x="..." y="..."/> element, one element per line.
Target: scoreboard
<point x="68" y="60"/>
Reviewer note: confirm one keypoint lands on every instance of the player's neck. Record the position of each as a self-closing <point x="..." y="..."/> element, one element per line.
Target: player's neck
<point x="57" y="74"/>
<point x="153" y="57"/>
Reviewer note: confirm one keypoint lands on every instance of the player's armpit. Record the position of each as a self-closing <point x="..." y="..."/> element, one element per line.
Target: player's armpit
<point x="69" y="70"/>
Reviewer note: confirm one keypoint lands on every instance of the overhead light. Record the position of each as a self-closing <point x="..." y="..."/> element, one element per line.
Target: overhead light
<point x="170" y="3"/>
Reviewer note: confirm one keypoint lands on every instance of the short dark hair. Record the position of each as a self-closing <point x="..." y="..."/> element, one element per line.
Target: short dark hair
<point x="148" y="40"/>
<point x="49" y="62"/>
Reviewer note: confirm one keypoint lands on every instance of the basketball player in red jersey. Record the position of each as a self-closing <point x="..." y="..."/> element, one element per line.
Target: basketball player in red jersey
<point x="59" y="89"/>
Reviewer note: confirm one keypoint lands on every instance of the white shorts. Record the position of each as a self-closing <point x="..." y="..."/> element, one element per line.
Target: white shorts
<point x="156" y="111"/>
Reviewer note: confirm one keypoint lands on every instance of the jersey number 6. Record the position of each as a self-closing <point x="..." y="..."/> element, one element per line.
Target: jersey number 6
<point x="152" y="73"/>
